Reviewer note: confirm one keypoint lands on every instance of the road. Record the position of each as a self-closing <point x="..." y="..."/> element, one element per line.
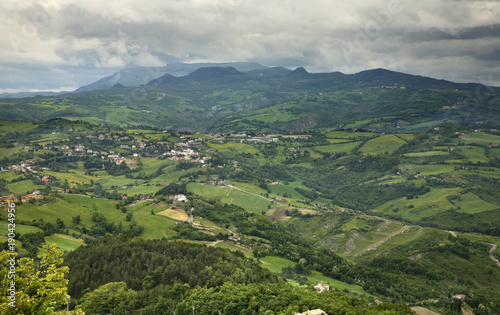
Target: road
<point x="493" y="247"/>
<point x="250" y="193"/>
<point x="257" y="195"/>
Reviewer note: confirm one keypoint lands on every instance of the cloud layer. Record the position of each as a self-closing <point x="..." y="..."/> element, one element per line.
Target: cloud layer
<point x="63" y="44"/>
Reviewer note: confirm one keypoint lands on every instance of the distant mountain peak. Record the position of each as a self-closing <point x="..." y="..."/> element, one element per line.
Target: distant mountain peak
<point x="119" y="86"/>
<point x="164" y="79"/>
<point x="299" y="70"/>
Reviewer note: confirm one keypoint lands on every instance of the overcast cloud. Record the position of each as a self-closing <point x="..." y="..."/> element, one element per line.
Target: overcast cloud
<point x="64" y="44"/>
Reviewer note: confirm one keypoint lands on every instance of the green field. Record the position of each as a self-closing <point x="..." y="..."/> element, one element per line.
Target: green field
<point x="139" y="190"/>
<point x="382" y="144"/>
<point x="474" y="154"/>
<point x="64" y="242"/>
<point x="482" y="137"/>
<point x="406" y="136"/>
<point x="424" y="206"/>
<point x="346" y="147"/>
<point x="427" y="153"/>
<point x="276" y="264"/>
<point x="471" y="203"/>
<point x="288" y="189"/>
<point x="23" y="187"/>
<point x="230" y="149"/>
<point x="20" y="229"/>
<point x="73" y="177"/>
<point x="155" y="226"/>
<point x="5" y="152"/>
<point x="337" y="141"/>
<point x="248" y="202"/>
<point x="18" y="126"/>
<point x="349" y="135"/>
<point x="119" y="181"/>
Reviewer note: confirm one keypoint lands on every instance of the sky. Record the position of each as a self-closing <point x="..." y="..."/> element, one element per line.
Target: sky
<point x="63" y="44"/>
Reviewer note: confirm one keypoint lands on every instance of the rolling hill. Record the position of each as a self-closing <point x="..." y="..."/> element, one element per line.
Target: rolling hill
<point x="223" y="98"/>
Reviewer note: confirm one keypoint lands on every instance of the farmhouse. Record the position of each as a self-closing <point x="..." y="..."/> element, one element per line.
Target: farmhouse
<point x="322" y="287"/>
<point x="179" y="198"/>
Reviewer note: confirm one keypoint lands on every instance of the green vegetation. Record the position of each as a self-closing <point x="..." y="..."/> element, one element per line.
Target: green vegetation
<point x="383" y="144"/>
<point x="368" y="213"/>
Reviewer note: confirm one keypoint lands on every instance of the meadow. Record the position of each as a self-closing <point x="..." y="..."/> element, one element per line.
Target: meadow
<point x="252" y="203"/>
<point x="382" y="144"/>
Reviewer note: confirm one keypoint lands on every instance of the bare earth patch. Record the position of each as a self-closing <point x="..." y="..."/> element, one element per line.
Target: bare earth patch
<point x="279" y="214"/>
<point x="176" y="214"/>
<point x="307" y="211"/>
<point x="131" y="163"/>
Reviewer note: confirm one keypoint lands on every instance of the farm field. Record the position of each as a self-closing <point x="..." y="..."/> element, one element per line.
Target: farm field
<point x="427" y="153"/>
<point x="349" y="135"/>
<point x="426" y="205"/>
<point x="23" y="187"/>
<point x="345" y="147"/>
<point x="65" y="242"/>
<point x="474" y="154"/>
<point x="382" y="144"/>
<point x="470" y="203"/>
<point x="249" y="202"/>
<point x="276" y="264"/>
<point x="482" y="137"/>
<point x="377" y="206"/>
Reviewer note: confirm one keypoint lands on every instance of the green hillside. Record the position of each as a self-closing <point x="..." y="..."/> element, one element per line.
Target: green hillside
<point x="405" y="218"/>
<point x="225" y="99"/>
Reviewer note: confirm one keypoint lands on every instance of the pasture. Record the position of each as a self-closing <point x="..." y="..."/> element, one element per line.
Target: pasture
<point x="382" y="144"/>
<point x="230" y="195"/>
<point x="424" y="206"/>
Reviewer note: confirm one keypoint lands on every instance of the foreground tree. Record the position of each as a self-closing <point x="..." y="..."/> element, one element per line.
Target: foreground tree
<point x="108" y="298"/>
<point x="36" y="290"/>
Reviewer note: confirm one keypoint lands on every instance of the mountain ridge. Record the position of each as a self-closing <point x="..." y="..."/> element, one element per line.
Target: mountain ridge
<point x="223" y="98"/>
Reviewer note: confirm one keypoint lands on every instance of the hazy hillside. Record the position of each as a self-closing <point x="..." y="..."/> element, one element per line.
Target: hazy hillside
<point x="133" y="77"/>
<point x="272" y="99"/>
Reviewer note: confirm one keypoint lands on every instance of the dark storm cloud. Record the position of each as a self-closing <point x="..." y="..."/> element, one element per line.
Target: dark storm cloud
<point x="56" y="44"/>
<point x="486" y="32"/>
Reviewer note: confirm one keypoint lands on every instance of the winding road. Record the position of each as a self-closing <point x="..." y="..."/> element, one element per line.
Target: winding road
<point x="493" y="247"/>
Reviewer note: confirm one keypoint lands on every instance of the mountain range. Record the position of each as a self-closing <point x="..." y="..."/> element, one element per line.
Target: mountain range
<point x="252" y="97"/>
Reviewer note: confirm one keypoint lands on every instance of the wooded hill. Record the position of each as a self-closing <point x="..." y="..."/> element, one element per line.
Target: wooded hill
<point x="224" y="99"/>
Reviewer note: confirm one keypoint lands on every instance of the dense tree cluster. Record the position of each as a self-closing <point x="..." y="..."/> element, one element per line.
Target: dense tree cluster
<point x="166" y="262"/>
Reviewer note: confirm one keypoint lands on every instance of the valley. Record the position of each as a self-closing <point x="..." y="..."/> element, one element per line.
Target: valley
<point x="409" y="218"/>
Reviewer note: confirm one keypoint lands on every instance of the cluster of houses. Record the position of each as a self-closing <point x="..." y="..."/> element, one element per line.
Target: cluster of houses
<point x="35" y="195"/>
<point x="22" y="167"/>
<point x="8" y="199"/>
<point x="256" y="138"/>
